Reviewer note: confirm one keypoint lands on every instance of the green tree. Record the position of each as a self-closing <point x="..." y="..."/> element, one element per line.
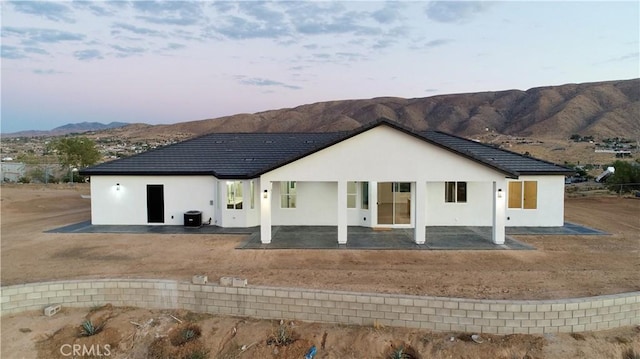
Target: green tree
<point x="626" y="177"/>
<point x="28" y="158"/>
<point x="76" y="152"/>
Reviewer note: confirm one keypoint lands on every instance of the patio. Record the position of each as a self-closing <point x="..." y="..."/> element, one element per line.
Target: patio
<point x="325" y="237"/>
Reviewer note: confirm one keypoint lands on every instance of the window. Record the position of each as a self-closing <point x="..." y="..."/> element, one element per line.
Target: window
<point x="402" y="187"/>
<point x="523" y="194"/>
<point x="455" y="192"/>
<point x="252" y="194"/>
<point x="234" y="195"/>
<point x="352" y="193"/>
<point x="365" y="195"/>
<point x="288" y="194"/>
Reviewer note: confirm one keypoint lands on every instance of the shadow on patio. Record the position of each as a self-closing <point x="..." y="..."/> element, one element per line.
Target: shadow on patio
<point x="325" y="237"/>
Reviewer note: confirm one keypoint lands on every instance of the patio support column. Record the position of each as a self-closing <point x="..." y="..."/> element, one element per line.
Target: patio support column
<point x="342" y="212"/>
<point x="266" y="195"/>
<point x="373" y="203"/>
<point x="499" y="213"/>
<point x="420" y="200"/>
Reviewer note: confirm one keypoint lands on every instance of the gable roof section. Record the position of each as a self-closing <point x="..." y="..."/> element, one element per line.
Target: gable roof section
<point x="249" y="155"/>
<point x="223" y="155"/>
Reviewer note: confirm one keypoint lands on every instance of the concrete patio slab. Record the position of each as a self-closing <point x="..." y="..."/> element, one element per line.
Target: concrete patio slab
<point x="87" y="227"/>
<point x="364" y="238"/>
<point x="437" y="238"/>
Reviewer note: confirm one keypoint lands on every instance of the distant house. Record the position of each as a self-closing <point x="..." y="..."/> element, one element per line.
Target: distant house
<point x="380" y="175"/>
<point x="12" y="171"/>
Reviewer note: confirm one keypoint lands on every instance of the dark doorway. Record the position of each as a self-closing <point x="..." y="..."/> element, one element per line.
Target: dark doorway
<point x="155" y="203"/>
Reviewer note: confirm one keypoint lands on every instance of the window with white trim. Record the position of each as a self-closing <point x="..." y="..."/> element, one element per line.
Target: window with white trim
<point x="455" y="192"/>
<point x="288" y="194"/>
<point x="252" y="194"/>
<point x="352" y="194"/>
<point x="523" y="194"/>
<point x="364" y="202"/>
<point x="234" y="195"/>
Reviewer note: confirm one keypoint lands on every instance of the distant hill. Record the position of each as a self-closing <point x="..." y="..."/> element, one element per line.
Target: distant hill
<point x="68" y="128"/>
<point x="602" y="109"/>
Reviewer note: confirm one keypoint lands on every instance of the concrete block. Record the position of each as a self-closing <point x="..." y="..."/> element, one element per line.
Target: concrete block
<point x="226" y="281"/>
<point x="233" y="291"/>
<point x="465" y="306"/>
<point x="199" y="279"/>
<point x="239" y="282"/>
<point x="52" y="310"/>
<point x="447" y="305"/>
<point x="427" y="311"/>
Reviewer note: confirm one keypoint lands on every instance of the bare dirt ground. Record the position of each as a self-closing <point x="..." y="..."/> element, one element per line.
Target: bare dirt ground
<point x="136" y="333"/>
<point x="562" y="266"/>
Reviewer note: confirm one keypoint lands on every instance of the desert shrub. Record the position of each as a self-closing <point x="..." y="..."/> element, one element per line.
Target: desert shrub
<point x="400" y="350"/>
<point x="398" y="353"/>
<point x="88" y="329"/>
<point x="281" y="336"/>
<point x="184" y="334"/>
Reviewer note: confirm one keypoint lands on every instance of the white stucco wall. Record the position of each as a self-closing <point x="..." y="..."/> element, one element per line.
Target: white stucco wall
<point x="316" y="205"/>
<point x="475" y="212"/>
<point x="383" y="154"/>
<point x="128" y="205"/>
<point x="550" y="211"/>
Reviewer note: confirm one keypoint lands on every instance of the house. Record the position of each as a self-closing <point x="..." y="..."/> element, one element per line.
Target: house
<point x="380" y="175"/>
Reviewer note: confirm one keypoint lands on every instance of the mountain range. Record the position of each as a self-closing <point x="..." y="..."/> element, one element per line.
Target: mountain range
<point x="600" y="109"/>
<point x="68" y="129"/>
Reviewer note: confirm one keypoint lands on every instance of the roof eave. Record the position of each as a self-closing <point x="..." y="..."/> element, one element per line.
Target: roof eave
<point x="147" y="173"/>
<point x="547" y="173"/>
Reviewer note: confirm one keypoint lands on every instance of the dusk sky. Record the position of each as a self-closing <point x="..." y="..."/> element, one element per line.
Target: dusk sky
<point x="168" y="62"/>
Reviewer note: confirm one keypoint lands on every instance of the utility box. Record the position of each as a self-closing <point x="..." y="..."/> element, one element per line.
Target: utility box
<point x="193" y="219"/>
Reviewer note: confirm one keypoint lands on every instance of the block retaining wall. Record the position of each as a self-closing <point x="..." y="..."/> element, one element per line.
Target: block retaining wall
<point x="432" y="313"/>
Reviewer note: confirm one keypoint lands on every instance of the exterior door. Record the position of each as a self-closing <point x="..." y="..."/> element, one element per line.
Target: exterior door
<point x="394" y="203"/>
<point x="155" y="203"/>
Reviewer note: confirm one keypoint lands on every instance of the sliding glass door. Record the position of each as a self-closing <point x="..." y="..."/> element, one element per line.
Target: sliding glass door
<point x="394" y="203"/>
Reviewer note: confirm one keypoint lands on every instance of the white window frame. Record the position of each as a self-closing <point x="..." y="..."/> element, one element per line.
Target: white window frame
<point x="452" y="194"/>
<point x="288" y="194"/>
<point x="252" y="193"/>
<point x="234" y="195"/>
<point x="352" y="194"/>
<point x="364" y="198"/>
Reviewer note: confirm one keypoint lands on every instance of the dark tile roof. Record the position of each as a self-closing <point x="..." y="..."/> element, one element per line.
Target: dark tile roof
<point x="248" y="155"/>
<point x="506" y="161"/>
<point x="224" y="155"/>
